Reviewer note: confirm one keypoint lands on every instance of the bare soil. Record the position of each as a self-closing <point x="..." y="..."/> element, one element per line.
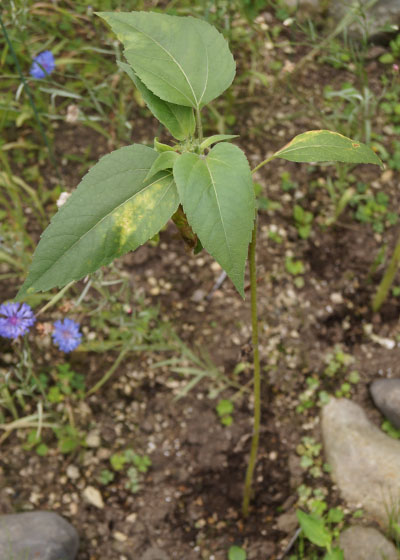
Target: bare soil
<point x="188" y="506"/>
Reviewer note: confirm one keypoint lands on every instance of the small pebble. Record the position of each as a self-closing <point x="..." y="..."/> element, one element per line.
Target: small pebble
<point x="120" y="537"/>
<point x="93" y="439"/>
<point x="336" y="298"/>
<point x="73" y="472"/>
<point x="93" y="497"/>
<point x="198" y="296"/>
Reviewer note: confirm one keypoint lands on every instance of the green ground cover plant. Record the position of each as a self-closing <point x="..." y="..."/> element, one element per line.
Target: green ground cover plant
<point x="179" y="64"/>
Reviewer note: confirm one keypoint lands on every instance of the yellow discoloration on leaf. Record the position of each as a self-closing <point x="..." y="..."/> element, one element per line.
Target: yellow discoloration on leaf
<point x="305" y="136"/>
<point x="325" y="145"/>
<point x="128" y="217"/>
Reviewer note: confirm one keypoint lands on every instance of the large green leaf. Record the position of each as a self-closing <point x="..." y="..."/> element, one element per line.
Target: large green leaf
<point x="218" y="198"/>
<point x="314" y="529"/>
<point x="112" y="211"/>
<point x="183" y="60"/>
<point x="325" y="145"/>
<point x="178" y="119"/>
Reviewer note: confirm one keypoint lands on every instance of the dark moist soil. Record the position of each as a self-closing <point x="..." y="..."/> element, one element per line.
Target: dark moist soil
<point x="189" y="502"/>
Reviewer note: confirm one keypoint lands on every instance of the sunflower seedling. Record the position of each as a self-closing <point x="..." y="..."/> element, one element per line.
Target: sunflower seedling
<point x="179" y="65"/>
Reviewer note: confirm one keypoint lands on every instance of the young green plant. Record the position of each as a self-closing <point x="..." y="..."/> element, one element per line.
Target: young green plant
<point x="179" y="65"/>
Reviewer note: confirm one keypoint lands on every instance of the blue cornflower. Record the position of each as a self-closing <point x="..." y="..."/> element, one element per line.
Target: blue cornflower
<point x="43" y="65"/>
<point x="66" y="335"/>
<point x="15" y="319"/>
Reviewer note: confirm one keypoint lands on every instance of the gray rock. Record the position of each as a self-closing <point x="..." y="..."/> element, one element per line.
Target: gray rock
<point x="378" y="15"/>
<point x="366" y="543"/>
<point x="287" y="522"/>
<point x="37" y="535"/>
<point x="365" y="462"/>
<point x="386" y="396"/>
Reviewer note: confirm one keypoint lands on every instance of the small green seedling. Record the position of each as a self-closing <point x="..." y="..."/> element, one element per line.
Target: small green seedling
<point x="139" y="465"/>
<point x="309" y="496"/>
<point x="205" y="185"/>
<point x="294" y="267"/>
<point x="224" y="410"/>
<point x="310" y="452"/>
<point x="396" y="291"/>
<point x="69" y="438"/>
<point x="118" y="461"/>
<point x="67" y="384"/>
<point x="317" y="530"/>
<point x="358" y="514"/>
<point x="287" y="183"/>
<point x="394" y="55"/>
<point x="142" y="463"/>
<point x="34" y="441"/>
<point x="275" y="237"/>
<point x="311" y="396"/>
<point x="390" y="429"/>
<point x="133" y="482"/>
<point x="373" y="209"/>
<point x="236" y="553"/>
<point x="303" y="220"/>
<point x="106" y="477"/>
<point x="337" y="362"/>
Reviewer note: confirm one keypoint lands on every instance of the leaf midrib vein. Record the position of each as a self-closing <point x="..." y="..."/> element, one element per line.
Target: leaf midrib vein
<point x="170" y="55"/>
<point x="295" y="148"/>
<point x="219" y="209"/>
<point x="170" y="85"/>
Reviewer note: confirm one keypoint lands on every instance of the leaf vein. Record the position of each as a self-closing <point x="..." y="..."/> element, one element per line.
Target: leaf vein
<point x="100" y="221"/>
<point x="219" y="210"/>
<point x="170" y="55"/>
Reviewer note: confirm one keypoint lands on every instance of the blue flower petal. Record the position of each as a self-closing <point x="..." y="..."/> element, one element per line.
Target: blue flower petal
<point x="66" y="335"/>
<point x="15" y="319"/>
<point x="43" y="65"/>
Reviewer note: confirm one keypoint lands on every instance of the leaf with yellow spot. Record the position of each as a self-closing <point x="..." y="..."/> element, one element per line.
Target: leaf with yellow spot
<point x="325" y="145"/>
<point x="114" y="210"/>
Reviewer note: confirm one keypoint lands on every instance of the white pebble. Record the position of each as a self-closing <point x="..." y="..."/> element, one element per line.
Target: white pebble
<point x="93" y="439"/>
<point x="73" y="472"/>
<point x="93" y="497"/>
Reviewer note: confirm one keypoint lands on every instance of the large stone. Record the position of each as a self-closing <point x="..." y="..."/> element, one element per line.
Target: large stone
<point x="365" y="462"/>
<point x="386" y="396"/>
<point x="366" y="543"/>
<point x="38" y="534"/>
<point x="377" y="14"/>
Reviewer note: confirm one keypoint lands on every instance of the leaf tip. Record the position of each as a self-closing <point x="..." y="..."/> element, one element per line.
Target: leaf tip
<point x="23" y="292"/>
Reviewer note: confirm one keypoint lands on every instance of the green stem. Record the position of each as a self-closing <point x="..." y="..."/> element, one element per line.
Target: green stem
<point x="109" y="372"/>
<point x="30" y="98"/>
<point x="387" y="280"/>
<point x="9" y="402"/>
<point x="199" y="125"/>
<point x="257" y="376"/>
<point x="263" y="163"/>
